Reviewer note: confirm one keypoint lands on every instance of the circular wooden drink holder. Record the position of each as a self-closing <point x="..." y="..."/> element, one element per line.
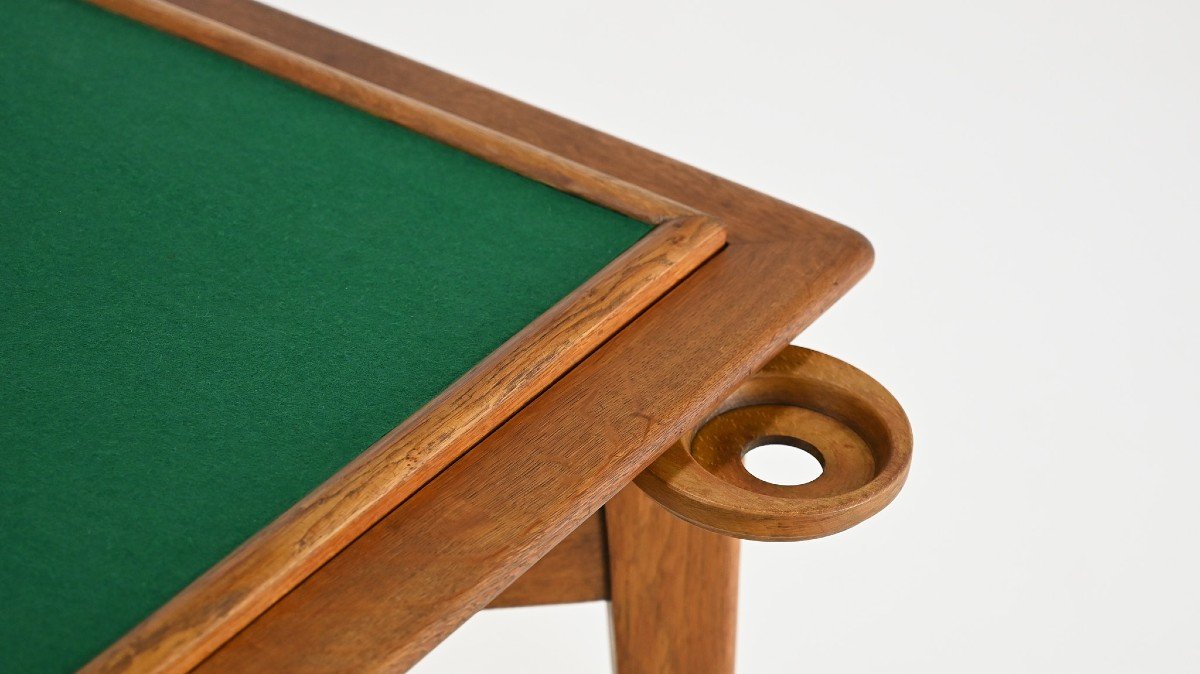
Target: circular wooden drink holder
<point x="847" y="420"/>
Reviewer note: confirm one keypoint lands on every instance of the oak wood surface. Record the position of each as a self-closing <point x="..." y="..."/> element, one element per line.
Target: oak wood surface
<point x="575" y="570"/>
<point x="674" y="591"/>
<point x="456" y="543"/>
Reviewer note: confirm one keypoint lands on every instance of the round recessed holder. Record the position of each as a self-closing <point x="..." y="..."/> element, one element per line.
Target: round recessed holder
<point x="814" y="403"/>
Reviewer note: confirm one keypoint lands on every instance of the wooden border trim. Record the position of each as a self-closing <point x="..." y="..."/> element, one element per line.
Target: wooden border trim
<point x="553" y="464"/>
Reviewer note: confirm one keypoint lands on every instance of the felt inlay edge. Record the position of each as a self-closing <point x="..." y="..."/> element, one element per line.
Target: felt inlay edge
<point x="634" y="281"/>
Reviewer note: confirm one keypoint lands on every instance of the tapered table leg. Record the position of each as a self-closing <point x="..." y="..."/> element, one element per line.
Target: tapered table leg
<point x="674" y="590"/>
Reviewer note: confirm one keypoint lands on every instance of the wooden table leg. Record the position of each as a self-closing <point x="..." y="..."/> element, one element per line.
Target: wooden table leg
<point x="674" y="590"/>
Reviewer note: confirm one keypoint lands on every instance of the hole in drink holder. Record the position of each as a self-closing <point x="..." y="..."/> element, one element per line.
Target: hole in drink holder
<point x="852" y="428"/>
<point x="783" y="461"/>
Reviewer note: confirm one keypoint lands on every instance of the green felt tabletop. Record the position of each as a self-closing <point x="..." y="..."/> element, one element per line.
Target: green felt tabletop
<point x="218" y="288"/>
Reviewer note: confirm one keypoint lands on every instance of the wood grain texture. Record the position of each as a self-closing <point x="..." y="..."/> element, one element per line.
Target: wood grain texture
<point x="455" y="544"/>
<point x="849" y="420"/>
<point x="575" y="570"/>
<point x="674" y="591"/>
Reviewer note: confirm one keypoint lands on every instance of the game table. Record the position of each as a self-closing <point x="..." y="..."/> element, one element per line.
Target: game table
<point x="311" y="352"/>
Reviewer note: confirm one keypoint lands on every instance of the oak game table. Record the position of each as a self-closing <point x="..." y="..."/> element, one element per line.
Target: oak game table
<point x="310" y="352"/>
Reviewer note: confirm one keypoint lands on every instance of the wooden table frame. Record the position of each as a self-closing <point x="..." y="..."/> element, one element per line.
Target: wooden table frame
<point x="437" y="519"/>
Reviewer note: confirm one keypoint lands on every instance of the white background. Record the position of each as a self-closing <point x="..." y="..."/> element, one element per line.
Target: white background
<point x="1029" y="173"/>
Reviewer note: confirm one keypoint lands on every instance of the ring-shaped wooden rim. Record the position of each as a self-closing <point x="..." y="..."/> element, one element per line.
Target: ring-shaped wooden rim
<point x="801" y="378"/>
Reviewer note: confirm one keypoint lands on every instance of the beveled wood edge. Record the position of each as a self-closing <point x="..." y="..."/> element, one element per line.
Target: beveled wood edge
<point x="267" y="565"/>
<point x="824" y="257"/>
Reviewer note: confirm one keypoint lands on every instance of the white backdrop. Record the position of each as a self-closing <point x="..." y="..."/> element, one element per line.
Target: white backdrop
<point x="1029" y="173"/>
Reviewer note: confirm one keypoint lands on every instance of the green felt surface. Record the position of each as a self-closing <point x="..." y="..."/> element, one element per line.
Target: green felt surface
<point x="218" y="288"/>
